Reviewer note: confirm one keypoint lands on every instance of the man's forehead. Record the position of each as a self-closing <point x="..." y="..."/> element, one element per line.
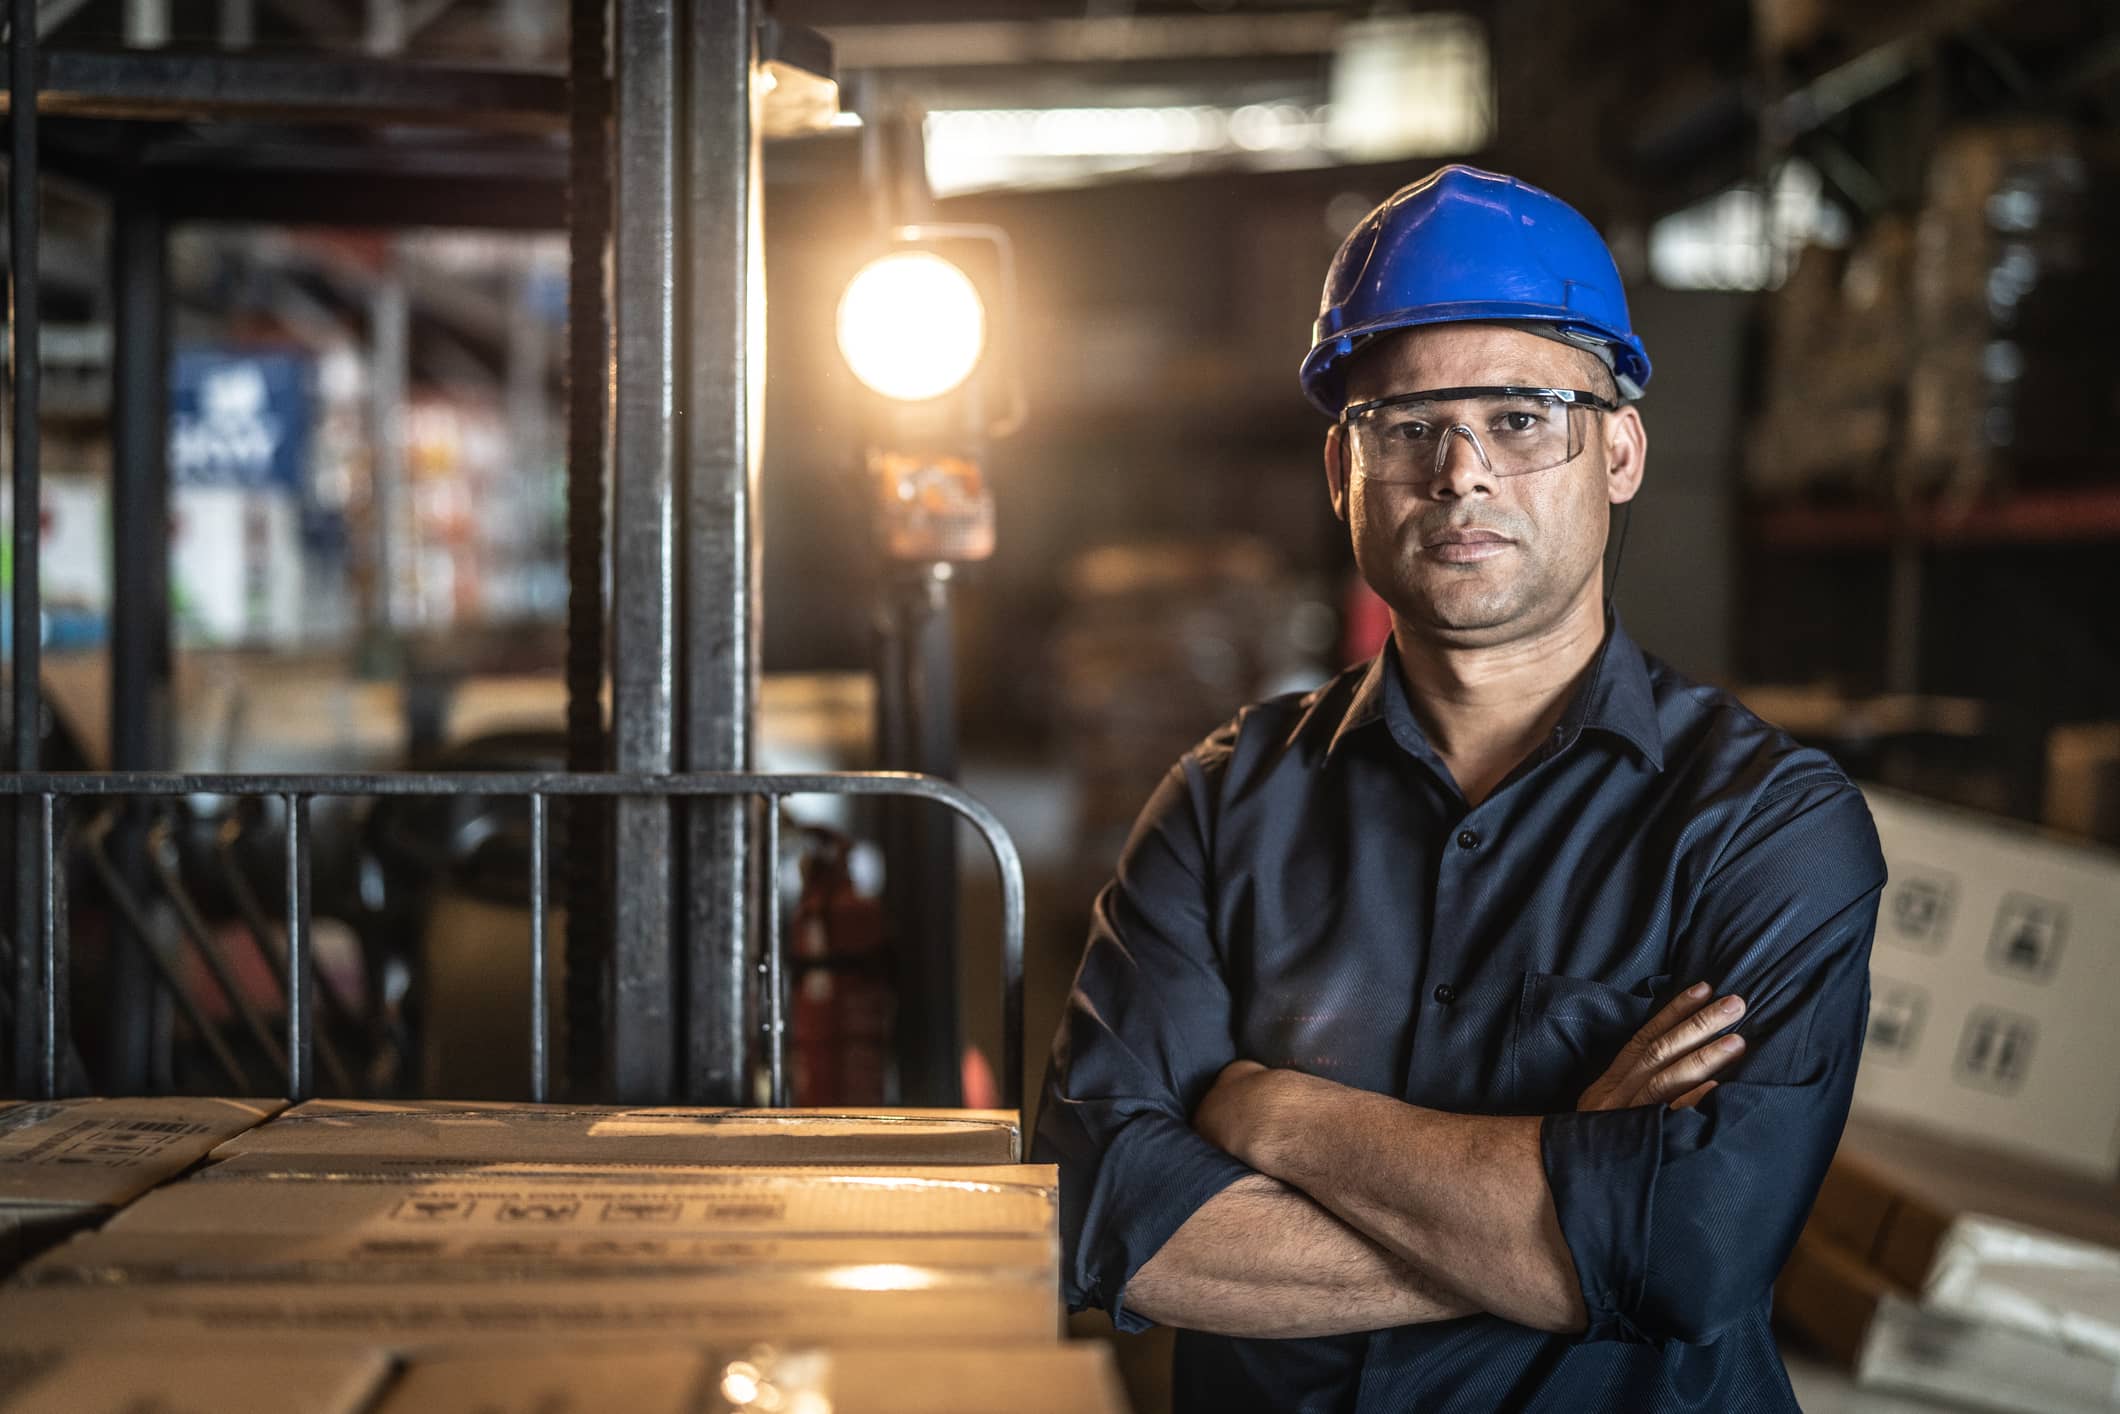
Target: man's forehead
<point x="1462" y="355"/>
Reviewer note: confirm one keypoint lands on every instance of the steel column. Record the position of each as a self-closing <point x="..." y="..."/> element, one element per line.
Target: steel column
<point x="648" y="148"/>
<point x="27" y="723"/>
<point x="723" y="336"/>
<point x="587" y="822"/>
<point x="140" y="612"/>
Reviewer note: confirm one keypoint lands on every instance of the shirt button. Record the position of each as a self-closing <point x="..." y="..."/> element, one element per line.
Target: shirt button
<point x="1468" y="839"/>
<point x="1445" y="994"/>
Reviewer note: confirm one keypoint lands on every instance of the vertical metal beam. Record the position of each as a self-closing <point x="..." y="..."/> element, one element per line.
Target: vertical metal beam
<point x="389" y="354"/>
<point x="301" y="962"/>
<point x="23" y="362"/>
<point x="923" y="890"/>
<point x="648" y="143"/>
<point x="140" y="613"/>
<point x="58" y="971"/>
<point x="723" y="335"/>
<point x="140" y="626"/>
<point x="587" y="819"/>
<point x="539" y="1022"/>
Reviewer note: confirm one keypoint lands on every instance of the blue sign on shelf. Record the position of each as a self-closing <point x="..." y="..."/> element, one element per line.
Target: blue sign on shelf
<point x="240" y="418"/>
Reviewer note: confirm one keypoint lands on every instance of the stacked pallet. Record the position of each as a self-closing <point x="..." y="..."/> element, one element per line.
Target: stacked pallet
<point x="558" y="1258"/>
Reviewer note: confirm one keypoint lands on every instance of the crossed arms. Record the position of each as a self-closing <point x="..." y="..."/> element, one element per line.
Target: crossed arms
<point x="1200" y="1190"/>
<point x="1368" y="1213"/>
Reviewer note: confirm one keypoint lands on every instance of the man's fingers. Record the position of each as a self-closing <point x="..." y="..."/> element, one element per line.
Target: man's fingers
<point x="1694" y="1096"/>
<point x="1680" y="1007"/>
<point x="1691" y="1069"/>
<point x="1691" y="1032"/>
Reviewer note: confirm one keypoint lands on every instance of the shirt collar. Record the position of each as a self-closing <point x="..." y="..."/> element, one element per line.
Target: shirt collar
<point x="1617" y="698"/>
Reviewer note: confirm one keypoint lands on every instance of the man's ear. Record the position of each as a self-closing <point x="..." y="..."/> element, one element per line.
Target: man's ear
<point x="1336" y="469"/>
<point x="1626" y="454"/>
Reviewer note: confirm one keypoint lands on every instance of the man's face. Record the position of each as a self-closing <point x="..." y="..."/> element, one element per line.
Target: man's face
<point x="1473" y="557"/>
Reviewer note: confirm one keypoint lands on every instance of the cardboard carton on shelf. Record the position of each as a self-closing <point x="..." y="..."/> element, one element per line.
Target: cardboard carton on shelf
<point x="66" y="1164"/>
<point x="251" y="1196"/>
<point x="361" y="1131"/>
<point x="1063" y="1379"/>
<point x="133" y="1258"/>
<point x="1979" y="1235"/>
<point x="675" y="1380"/>
<point x="892" y="1304"/>
<point x="86" y="1378"/>
<point x="1993" y="984"/>
<point x="1870" y="1325"/>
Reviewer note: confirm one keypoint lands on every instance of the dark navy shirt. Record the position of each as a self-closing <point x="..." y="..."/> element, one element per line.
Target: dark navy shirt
<point x="1309" y="888"/>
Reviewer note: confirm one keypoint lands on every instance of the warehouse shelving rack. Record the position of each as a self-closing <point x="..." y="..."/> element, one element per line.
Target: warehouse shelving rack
<point x="670" y="876"/>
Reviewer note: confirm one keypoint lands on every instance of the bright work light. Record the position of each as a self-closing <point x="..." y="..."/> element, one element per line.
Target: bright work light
<point x="911" y="326"/>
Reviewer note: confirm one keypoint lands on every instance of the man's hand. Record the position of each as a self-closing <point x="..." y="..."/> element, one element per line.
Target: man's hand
<point x="1670" y="1059"/>
<point x="1233" y="1113"/>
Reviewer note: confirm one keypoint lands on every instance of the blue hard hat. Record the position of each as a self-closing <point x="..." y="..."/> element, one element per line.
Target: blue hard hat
<point x="1462" y="244"/>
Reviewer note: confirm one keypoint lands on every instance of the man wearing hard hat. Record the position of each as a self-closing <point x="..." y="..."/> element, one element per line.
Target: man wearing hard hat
<point x="1472" y="1032"/>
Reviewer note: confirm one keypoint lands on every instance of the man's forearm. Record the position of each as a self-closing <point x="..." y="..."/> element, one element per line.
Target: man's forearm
<point x="1463" y="1197"/>
<point x="1260" y="1259"/>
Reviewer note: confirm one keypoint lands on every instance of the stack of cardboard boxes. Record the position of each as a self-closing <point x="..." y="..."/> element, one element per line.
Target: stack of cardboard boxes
<point x="549" y="1258"/>
<point x="1966" y="1243"/>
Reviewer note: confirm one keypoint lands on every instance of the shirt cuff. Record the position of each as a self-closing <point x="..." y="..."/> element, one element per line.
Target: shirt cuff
<point x="1156" y="1173"/>
<point x="1601" y="1167"/>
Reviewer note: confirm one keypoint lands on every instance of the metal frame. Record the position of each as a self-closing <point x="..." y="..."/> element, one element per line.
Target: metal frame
<point x="676" y="891"/>
<point x="44" y="1029"/>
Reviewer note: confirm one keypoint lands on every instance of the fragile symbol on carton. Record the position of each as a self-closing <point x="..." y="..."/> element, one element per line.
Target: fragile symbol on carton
<point x="642" y="1210"/>
<point x="1922" y="904"/>
<point x="1896" y="1013"/>
<point x="535" y="1210"/>
<point x="2027" y="938"/>
<point x="1996" y="1050"/>
<point x="434" y="1210"/>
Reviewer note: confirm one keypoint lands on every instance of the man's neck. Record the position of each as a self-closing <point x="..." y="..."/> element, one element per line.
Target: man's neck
<point x="1485" y="708"/>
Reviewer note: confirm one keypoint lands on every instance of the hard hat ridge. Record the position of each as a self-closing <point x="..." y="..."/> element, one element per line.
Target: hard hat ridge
<point x="1460" y="245"/>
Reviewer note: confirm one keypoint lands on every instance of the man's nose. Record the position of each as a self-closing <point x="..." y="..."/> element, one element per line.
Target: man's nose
<point x="1461" y="466"/>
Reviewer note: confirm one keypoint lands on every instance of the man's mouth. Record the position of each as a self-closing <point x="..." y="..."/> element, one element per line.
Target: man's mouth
<point x="1465" y="546"/>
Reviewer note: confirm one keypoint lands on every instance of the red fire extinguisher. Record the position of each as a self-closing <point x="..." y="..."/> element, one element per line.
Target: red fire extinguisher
<point x="840" y="972"/>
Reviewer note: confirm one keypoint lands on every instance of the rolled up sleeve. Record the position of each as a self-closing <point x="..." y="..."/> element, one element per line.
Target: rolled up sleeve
<point x="1145" y="1032"/>
<point x="1678" y="1220"/>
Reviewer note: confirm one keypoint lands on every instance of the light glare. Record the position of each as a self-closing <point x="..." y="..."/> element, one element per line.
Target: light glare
<point x="911" y="326"/>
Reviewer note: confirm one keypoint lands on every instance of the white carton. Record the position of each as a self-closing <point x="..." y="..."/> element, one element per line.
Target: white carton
<point x="1995" y="981"/>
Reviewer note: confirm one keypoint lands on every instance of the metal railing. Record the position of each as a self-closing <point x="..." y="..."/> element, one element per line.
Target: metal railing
<point x="43" y="970"/>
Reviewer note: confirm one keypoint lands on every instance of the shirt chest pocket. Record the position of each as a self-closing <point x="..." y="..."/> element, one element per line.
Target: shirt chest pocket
<point x="1567" y="1030"/>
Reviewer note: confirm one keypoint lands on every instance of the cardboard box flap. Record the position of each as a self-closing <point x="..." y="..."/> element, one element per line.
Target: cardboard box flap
<point x="1075" y="1378"/>
<point x="475" y="1131"/>
<point x="672" y="1381"/>
<point x="887" y="1304"/>
<point x="100" y="1379"/>
<point x="998" y="1201"/>
<point x="100" y="1153"/>
<point x="439" y="1254"/>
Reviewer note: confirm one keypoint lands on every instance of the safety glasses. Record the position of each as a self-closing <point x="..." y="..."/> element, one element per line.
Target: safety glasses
<point x="1405" y="439"/>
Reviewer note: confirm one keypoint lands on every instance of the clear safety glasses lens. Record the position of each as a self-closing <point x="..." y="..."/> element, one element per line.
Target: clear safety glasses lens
<point x="1507" y="435"/>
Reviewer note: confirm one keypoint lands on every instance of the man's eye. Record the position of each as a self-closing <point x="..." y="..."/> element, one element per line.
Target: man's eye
<point x="1406" y="432"/>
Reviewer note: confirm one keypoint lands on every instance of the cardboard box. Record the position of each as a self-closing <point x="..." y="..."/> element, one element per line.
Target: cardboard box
<point x="671" y="1381"/>
<point x="100" y="1379"/>
<point x="2083" y="780"/>
<point x="1870" y="1326"/>
<point x="65" y="1164"/>
<point x="110" y="1258"/>
<point x="1978" y="1234"/>
<point x="365" y="1131"/>
<point x="875" y="1304"/>
<point x="1063" y="1379"/>
<point x="1994" y="982"/>
<point x="249" y="1196"/>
